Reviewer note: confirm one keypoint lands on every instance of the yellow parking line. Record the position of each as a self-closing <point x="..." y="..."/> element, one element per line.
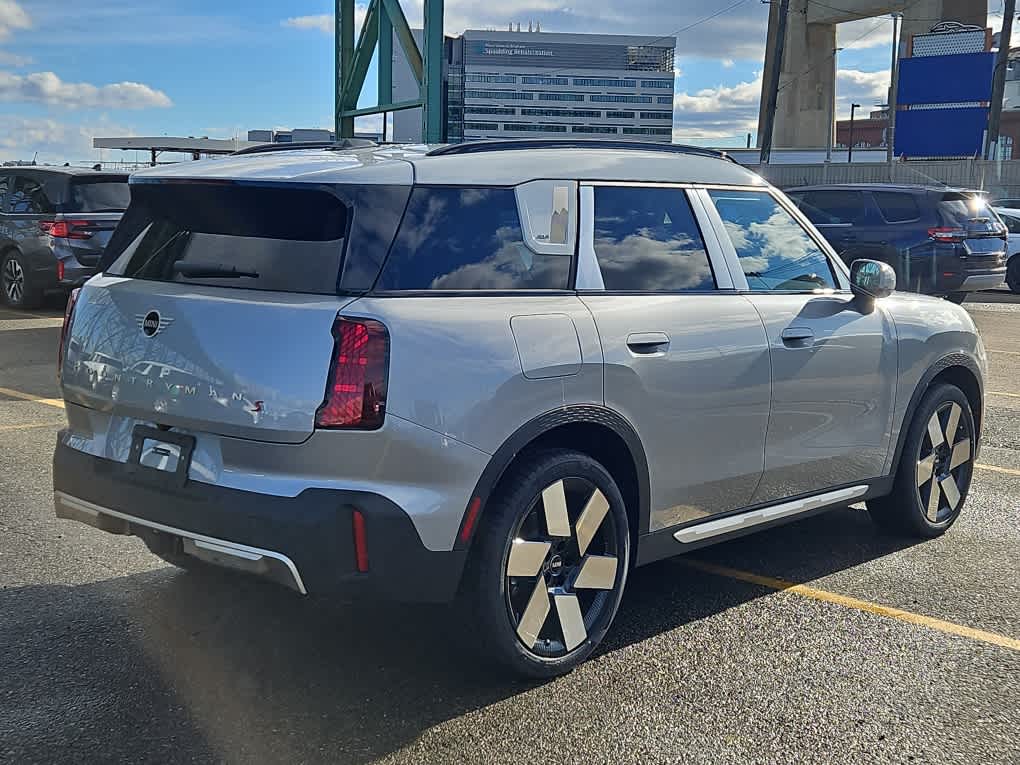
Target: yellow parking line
<point x="1001" y="393"/>
<point x="814" y="593"/>
<point x="30" y="425"/>
<point x="996" y="469"/>
<point x="29" y="397"/>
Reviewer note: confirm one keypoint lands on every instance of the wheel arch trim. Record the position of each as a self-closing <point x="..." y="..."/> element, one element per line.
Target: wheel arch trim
<point x="524" y="436"/>
<point x="950" y="360"/>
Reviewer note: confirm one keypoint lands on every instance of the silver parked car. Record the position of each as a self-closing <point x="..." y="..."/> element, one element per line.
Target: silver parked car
<point x="502" y="372"/>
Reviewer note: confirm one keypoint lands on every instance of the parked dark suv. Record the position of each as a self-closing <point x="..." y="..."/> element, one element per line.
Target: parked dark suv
<point x="940" y="241"/>
<point x="54" y="225"/>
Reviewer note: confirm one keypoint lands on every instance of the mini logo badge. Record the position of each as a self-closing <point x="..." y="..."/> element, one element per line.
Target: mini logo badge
<point x="152" y="323"/>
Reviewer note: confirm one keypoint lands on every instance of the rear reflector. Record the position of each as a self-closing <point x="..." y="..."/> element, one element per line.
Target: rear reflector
<point x="360" y="542"/>
<point x="60" y="270"/>
<point x="356" y="390"/>
<point x="470" y="519"/>
<point x="65" y="329"/>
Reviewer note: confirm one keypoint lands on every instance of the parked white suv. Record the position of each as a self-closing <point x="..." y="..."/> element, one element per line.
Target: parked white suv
<point x="505" y="372"/>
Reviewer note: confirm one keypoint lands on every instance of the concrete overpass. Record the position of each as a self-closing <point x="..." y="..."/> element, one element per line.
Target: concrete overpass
<point x="807" y="83"/>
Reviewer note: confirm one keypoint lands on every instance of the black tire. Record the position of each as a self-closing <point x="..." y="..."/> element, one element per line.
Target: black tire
<point x="496" y="602"/>
<point x="1013" y="274"/>
<point x="17" y="282"/>
<point x="911" y="509"/>
<point x="956" y="297"/>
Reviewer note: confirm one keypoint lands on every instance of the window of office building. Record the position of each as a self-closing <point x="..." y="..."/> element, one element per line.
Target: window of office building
<point x="499" y="94"/>
<point x="592" y="82"/>
<point x="663" y="99"/>
<point x="532" y="80"/>
<point x="593" y="129"/>
<point x="490" y="110"/>
<point x="620" y="115"/>
<point x="560" y="97"/>
<point x="657" y="115"/>
<point x="613" y="99"/>
<point x="646" y="131"/>
<point x="526" y="112"/>
<point x="490" y="78"/>
<point x="520" y="126"/>
<point x="656" y="83"/>
<point x="481" y="126"/>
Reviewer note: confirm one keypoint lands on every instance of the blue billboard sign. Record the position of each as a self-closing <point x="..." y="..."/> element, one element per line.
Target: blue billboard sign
<point x="953" y="79"/>
<point x="941" y="132"/>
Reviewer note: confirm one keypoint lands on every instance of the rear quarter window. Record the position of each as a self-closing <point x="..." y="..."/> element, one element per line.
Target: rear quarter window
<point x="96" y="195"/>
<point x="457" y="238"/>
<point x="897" y="207"/>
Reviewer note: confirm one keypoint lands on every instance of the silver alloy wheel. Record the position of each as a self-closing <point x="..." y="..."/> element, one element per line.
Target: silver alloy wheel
<point x="562" y="567"/>
<point x="13" y="280"/>
<point x="945" y="453"/>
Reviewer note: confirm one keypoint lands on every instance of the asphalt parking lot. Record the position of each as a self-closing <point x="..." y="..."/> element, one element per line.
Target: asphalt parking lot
<point x="821" y="641"/>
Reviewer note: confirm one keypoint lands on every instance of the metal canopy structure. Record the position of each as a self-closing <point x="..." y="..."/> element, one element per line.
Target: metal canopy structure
<point x="383" y="20"/>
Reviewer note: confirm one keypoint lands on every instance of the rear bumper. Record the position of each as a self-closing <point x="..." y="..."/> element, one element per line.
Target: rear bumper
<point x="983" y="281"/>
<point x="304" y="542"/>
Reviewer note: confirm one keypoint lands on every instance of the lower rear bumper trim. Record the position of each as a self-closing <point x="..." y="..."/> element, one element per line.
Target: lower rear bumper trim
<point x="77" y="509"/>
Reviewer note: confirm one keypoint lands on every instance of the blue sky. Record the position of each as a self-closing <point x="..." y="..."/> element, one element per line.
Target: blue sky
<point x="71" y="70"/>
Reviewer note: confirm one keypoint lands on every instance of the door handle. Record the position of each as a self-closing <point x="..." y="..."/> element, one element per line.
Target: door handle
<point x="648" y="342"/>
<point x="797" y="337"/>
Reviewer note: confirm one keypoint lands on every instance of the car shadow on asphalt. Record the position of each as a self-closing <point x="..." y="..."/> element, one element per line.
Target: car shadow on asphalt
<point x="167" y="665"/>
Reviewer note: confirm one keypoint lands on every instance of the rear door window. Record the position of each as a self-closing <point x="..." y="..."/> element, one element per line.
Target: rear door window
<point x="774" y="250"/>
<point x="243" y="236"/>
<point x="834" y="207"/>
<point x="646" y="239"/>
<point x="897" y="207"/>
<point x="456" y="238"/>
<point x="5" y="185"/>
<point x="97" y="195"/>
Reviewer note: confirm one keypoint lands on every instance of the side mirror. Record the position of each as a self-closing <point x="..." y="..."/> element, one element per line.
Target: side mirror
<point x="872" y="279"/>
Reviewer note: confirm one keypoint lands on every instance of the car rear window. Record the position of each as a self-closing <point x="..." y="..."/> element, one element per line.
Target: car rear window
<point x="456" y="238"/>
<point x="897" y="207"/>
<point x="96" y="195"/>
<point x="224" y="234"/>
<point x="834" y="207"/>
<point x="960" y="207"/>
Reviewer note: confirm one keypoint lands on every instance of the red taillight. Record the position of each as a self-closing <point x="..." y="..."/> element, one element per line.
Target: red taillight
<point x="65" y="330"/>
<point x="60" y="270"/>
<point x="948" y="234"/>
<point x="65" y="229"/>
<point x="356" y="393"/>
<point x="360" y="541"/>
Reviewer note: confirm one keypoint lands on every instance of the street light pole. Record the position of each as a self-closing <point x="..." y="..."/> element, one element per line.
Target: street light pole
<point x="894" y="76"/>
<point x="850" y="143"/>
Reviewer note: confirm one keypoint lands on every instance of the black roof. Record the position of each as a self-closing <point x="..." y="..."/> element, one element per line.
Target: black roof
<point x="916" y="187"/>
<point x="59" y="170"/>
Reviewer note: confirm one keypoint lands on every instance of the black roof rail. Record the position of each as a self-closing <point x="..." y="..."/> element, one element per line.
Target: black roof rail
<point x="345" y="143"/>
<point x="478" y="147"/>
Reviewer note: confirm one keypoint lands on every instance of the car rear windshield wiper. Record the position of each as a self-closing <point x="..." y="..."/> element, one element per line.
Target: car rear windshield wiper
<point x="211" y="271"/>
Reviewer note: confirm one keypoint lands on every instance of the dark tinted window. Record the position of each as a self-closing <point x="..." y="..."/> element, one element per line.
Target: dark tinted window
<point x="833" y="207"/>
<point x="97" y="195"/>
<point x="1011" y="222"/>
<point x="5" y="183"/>
<point x="275" y="238"/>
<point x="775" y="251"/>
<point x="646" y="239"/>
<point x="28" y="197"/>
<point x="467" y="239"/>
<point x="896" y="206"/>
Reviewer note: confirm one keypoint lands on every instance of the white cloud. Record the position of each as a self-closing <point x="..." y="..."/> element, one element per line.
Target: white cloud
<point x="47" y="88"/>
<point x="865" y="33"/>
<point x="721" y="112"/>
<point x="12" y="17"/>
<point x="324" y="23"/>
<point x="865" y="88"/>
<point x="728" y="63"/>
<point x="55" y="141"/>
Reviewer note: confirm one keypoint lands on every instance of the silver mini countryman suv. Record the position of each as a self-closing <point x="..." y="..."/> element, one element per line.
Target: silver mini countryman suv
<point x="503" y="373"/>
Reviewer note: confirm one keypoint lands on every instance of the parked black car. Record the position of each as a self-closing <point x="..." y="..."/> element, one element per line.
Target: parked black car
<point x="54" y="225"/>
<point x="940" y="240"/>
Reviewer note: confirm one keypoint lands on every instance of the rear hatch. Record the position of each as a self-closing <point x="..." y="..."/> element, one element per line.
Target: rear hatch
<point x="215" y="310"/>
<point x="92" y="208"/>
<point x="978" y="231"/>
